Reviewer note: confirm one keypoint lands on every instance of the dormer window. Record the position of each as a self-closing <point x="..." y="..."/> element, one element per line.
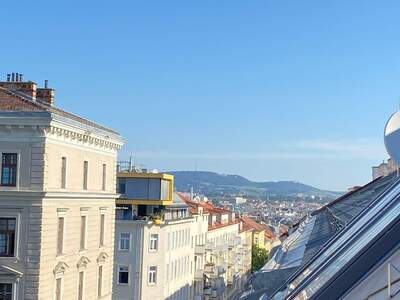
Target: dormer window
<point x="9" y="165"/>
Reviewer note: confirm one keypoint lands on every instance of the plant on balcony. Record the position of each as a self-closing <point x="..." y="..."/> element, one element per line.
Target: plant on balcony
<point x="157" y="218"/>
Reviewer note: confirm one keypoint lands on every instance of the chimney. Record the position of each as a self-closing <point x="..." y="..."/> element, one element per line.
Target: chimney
<point x="15" y="83"/>
<point x="45" y="94"/>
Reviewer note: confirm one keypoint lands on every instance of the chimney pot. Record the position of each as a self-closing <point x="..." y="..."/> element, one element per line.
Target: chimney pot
<point x="16" y="77"/>
<point x="20" y="77"/>
<point x="12" y="77"/>
<point x="46" y="83"/>
<point x="8" y="77"/>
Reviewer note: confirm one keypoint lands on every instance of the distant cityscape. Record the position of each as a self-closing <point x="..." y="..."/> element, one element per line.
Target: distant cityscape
<point x="77" y="223"/>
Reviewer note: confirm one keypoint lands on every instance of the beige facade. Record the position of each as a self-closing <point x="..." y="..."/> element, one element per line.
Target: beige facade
<point x="384" y="169"/>
<point x="62" y="201"/>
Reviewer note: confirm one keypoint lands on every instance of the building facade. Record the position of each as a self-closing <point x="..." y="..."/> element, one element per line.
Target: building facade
<point x="155" y="250"/>
<point x="57" y="199"/>
<point x="384" y="169"/>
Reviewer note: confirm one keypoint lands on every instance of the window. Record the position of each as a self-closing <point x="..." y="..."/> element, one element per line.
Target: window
<point x="104" y="177"/>
<point x="81" y="285"/>
<point x="85" y="174"/>
<point x="124" y="241"/>
<point x="60" y="236"/>
<point x="58" y="291"/>
<point x="9" y="169"/>
<point x="7" y="236"/>
<point x="6" y="291"/>
<point x="102" y="228"/>
<point x="100" y="281"/>
<point x="152" y="275"/>
<point x="153" y="242"/>
<point x="123" y="275"/>
<point x="83" y="232"/>
<point x="63" y="172"/>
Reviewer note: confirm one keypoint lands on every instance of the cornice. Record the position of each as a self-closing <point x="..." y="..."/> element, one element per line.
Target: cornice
<point x="83" y="138"/>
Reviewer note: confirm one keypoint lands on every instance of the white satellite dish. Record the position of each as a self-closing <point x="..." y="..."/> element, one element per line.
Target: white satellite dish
<point x="392" y="137"/>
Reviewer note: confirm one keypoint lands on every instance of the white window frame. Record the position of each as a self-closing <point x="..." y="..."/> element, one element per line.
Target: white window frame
<point x="84" y="213"/>
<point x="157" y="241"/>
<point x="55" y="287"/>
<point x="17" y="215"/>
<point x="66" y="172"/>
<point x="103" y="212"/>
<point x="129" y="242"/>
<point x="104" y="171"/>
<point x="152" y="272"/>
<point x="14" y="283"/>
<point x="83" y="285"/>
<point x="62" y="213"/>
<point x="99" y="296"/>
<point x="129" y="274"/>
<point x="18" y="152"/>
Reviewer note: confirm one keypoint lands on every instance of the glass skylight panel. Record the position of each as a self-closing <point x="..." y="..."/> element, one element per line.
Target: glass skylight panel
<point x="345" y="236"/>
<point x="339" y="262"/>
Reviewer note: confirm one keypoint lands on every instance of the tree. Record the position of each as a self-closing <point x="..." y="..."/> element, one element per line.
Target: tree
<point x="259" y="257"/>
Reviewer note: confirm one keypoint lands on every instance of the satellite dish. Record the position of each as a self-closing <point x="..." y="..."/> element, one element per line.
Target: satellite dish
<point x="392" y="137"/>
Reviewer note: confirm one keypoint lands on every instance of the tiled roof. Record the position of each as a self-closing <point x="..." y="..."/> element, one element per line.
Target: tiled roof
<point x="257" y="226"/>
<point x="217" y="225"/>
<point x="17" y="101"/>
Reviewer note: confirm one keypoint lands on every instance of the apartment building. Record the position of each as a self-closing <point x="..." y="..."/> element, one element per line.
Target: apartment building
<point x="199" y="239"/>
<point x="57" y="198"/>
<point x="384" y="169"/>
<point x="154" y="251"/>
<point x="263" y="237"/>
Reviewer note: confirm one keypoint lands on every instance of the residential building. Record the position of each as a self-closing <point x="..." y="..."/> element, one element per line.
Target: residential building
<point x="155" y="248"/>
<point x="223" y="250"/>
<point x="57" y="198"/>
<point x="263" y="237"/>
<point x="384" y="169"/>
<point x="240" y="200"/>
<point x="199" y="239"/>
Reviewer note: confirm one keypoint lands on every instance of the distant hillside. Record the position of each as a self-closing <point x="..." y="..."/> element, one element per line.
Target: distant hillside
<point x="210" y="183"/>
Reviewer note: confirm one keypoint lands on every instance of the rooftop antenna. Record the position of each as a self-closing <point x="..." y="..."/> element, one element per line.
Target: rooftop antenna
<point x="130" y="163"/>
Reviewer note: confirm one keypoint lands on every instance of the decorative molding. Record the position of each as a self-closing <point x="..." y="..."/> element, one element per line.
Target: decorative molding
<point x="101" y="259"/>
<point x="60" y="269"/>
<point x="83" y="262"/>
<point x="84" y="138"/>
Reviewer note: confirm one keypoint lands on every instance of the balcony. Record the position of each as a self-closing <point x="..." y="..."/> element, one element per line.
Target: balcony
<point x="199" y="249"/>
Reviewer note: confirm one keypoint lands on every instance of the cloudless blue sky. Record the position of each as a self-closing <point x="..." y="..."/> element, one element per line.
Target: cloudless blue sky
<point x="271" y="90"/>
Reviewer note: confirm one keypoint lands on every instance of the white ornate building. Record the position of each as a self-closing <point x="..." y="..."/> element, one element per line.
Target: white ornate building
<point x="57" y="198"/>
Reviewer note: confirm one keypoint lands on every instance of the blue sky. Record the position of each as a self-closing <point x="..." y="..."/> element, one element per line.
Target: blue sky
<point x="271" y="90"/>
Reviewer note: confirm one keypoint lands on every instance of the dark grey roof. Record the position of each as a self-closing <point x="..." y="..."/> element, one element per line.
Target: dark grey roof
<point x="327" y="223"/>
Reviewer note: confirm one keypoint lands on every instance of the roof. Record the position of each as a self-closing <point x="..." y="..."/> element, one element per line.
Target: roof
<point x="257" y="226"/>
<point x="23" y="102"/>
<point x="319" y="229"/>
<point x="218" y="225"/>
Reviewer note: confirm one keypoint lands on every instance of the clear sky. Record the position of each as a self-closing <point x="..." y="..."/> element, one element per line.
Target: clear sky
<point x="271" y="90"/>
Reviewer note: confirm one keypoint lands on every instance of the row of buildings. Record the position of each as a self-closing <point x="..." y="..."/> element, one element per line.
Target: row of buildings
<point x="71" y="227"/>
